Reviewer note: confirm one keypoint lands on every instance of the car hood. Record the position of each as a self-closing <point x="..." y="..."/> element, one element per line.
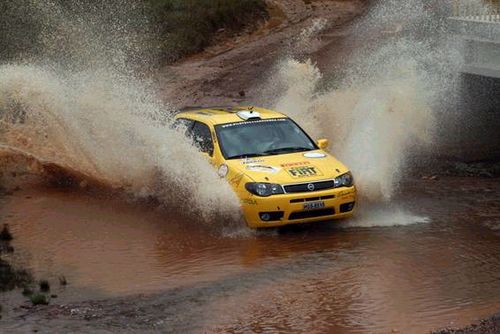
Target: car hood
<point x="289" y="168"/>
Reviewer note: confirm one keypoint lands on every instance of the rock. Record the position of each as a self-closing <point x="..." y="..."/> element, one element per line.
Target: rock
<point x="5" y="234"/>
<point x="62" y="280"/>
<point x="27" y="291"/>
<point x="44" y="285"/>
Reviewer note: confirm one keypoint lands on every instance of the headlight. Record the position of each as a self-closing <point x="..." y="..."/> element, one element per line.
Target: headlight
<point x="264" y="189"/>
<point x="344" y="180"/>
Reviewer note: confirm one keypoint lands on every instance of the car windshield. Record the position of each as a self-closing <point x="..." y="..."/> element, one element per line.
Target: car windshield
<point x="262" y="137"/>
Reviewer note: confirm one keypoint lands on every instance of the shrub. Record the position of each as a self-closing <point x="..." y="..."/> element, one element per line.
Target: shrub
<point x="179" y="27"/>
<point x="188" y="26"/>
<point x="11" y="278"/>
<point x="39" y="299"/>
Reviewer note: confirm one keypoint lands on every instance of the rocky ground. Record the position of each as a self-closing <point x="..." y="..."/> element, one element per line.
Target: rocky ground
<point x="487" y="326"/>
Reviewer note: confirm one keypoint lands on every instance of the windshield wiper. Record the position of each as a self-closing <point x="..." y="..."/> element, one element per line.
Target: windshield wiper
<point x="288" y="149"/>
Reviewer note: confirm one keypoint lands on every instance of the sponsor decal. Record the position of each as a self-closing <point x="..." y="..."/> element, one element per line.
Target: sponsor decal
<point x="247" y="161"/>
<point x="249" y="201"/>
<point x="295" y="164"/>
<point x="304" y="171"/>
<point x="315" y="155"/>
<point x="263" y="169"/>
<point x="271" y="120"/>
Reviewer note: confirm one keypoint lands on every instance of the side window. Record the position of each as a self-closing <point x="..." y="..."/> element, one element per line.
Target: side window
<point x="202" y="138"/>
<point x="183" y="124"/>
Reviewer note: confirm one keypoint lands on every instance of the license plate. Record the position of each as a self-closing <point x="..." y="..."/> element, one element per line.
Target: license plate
<point x="314" y="205"/>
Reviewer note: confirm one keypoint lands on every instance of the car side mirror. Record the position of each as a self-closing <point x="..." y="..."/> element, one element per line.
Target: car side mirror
<point x="322" y="143"/>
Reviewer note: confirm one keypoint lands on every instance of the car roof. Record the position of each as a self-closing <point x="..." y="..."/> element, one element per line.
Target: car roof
<point x="222" y="115"/>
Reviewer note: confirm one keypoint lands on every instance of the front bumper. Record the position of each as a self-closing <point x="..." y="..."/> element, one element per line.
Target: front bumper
<point x="292" y="207"/>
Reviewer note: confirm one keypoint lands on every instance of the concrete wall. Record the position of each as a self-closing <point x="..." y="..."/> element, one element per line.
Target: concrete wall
<point x="481" y="47"/>
<point x="473" y="128"/>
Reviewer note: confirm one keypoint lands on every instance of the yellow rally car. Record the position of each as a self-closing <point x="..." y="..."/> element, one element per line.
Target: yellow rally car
<point x="280" y="175"/>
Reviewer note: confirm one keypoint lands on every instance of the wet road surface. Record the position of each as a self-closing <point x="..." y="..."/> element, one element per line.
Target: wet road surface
<point x="178" y="274"/>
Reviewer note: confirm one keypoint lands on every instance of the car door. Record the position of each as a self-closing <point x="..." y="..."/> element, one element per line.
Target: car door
<point x="202" y="138"/>
<point x="183" y="124"/>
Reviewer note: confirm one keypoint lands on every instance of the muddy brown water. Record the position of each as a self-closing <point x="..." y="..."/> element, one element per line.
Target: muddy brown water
<point x="326" y="277"/>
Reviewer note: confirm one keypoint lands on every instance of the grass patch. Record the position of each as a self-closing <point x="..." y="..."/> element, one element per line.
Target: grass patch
<point x="39" y="299"/>
<point x="188" y="26"/>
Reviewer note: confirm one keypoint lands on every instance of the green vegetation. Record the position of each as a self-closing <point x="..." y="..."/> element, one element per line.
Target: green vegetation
<point x="11" y="278"/>
<point x="39" y="299"/>
<point x="188" y="26"/>
<point x="169" y="29"/>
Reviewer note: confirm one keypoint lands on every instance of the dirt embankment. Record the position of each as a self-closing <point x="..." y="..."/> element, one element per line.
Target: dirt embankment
<point x="233" y="70"/>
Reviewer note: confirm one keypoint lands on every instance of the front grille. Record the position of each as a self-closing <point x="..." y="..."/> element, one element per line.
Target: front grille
<point x="303" y="187"/>
<point x="311" y="214"/>
<point x="311" y="199"/>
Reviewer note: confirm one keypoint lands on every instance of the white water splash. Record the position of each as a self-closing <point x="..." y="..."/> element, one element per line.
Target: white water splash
<point x="371" y="128"/>
<point x="87" y="109"/>
<point x="383" y="106"/>
<point x="387" y="104"/>
<point x="383" y="215"/>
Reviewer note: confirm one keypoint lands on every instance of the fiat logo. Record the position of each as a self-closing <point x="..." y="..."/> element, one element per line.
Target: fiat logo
<point x="310" y="187"/>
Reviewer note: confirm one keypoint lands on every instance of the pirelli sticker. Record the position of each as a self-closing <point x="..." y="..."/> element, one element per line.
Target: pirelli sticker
<point x="304" y="171"/>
